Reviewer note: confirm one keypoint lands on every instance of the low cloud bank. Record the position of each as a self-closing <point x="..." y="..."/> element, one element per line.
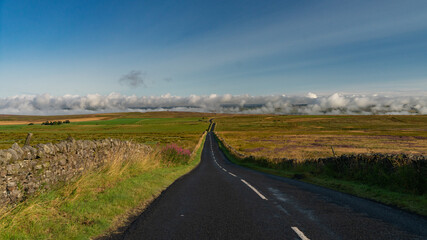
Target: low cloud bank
<point x="277" y="104"/>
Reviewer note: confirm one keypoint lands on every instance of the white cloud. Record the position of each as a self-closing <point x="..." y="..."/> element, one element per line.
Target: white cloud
<point x="336" y="103"/>
<point x="311" y="95"/>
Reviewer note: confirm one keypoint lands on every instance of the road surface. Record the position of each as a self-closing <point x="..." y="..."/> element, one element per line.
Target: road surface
<point x="220" y="200"/>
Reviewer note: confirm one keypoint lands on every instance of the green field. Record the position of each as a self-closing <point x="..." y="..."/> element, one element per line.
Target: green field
<point x="310" y="137"/>
<point x="183" y="129"/>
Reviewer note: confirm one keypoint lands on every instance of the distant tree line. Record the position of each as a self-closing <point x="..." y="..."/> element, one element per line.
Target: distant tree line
<point x="56" y="122"/>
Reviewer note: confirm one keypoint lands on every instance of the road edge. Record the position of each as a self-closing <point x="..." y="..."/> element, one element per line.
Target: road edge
<point x="135" y="213"/>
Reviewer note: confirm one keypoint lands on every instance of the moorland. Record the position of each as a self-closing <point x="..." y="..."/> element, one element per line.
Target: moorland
<point x="377" y="157"/>
<point x="97" y="202"/>
<point x="309" y="137"/>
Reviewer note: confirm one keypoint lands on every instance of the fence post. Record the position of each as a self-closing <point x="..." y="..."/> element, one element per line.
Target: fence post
<point x="28" y="140"/>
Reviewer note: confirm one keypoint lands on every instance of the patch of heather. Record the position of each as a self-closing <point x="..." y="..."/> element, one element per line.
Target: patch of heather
<point x="173" y="153"/>
<point x="255" y="149"/>
<point x="281" y="149"/>
<point x="419" y="137"/>
<point x="345" y="146"/>
<point x="254" y="140"/>
<point x="316" y="144"/>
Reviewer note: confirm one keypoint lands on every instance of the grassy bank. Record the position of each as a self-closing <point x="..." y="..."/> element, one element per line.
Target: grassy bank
<point x="98" y="201"/>
<point x="404" y="187"/>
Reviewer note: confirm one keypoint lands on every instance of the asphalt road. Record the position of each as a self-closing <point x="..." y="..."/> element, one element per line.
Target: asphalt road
<point x="220" y="200"/>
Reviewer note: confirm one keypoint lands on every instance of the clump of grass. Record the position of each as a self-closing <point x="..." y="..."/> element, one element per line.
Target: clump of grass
<point x="172" y="153"/>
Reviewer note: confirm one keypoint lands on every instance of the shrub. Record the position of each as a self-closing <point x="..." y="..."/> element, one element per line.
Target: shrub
<point x="172" y="153"/>
<point x="53" y="123"/>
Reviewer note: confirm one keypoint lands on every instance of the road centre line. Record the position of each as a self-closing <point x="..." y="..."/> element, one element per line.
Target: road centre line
<point x="300" y="234"/>
<point x="254" y="189"/>
<point x="213" y="155"/>
<point x="225" y="170"/>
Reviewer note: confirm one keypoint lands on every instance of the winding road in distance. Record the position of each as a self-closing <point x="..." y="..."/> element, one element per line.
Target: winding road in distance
<point x="220" y="200"/>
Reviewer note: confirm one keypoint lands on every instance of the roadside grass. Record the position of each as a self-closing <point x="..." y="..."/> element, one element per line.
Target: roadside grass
<point x="98" y="202"/>
<point x="310" y="137"/>
<point x="416" y="203"/>
<point x="101" y="200"/>
<point x="148" y="128"/>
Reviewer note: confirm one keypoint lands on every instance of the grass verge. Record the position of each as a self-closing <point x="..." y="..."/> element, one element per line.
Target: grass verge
<point x="410" y="202"/>
<point x="98" y="201"/>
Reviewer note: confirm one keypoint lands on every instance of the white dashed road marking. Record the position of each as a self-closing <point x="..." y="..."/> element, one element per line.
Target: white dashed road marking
<point x="300" y="234"/>
<point x="254" y="189"/>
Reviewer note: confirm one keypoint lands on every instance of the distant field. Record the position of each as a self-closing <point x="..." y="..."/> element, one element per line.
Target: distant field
<point x="183" y="129"/>
<point x="307" y="137"/>
<point x="272" y="136"/>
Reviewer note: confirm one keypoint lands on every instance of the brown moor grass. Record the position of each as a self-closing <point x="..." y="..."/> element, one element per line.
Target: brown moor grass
<point x="311" y="137"/>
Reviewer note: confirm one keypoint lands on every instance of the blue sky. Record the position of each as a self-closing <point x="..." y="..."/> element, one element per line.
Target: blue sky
<point x="150" y="48"/>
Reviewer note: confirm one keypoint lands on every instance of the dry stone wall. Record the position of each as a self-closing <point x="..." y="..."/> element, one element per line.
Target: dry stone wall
<point x="23" y="171"/>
